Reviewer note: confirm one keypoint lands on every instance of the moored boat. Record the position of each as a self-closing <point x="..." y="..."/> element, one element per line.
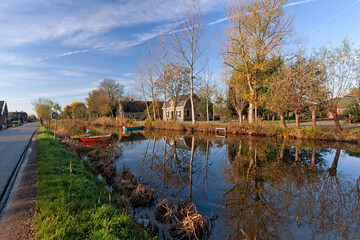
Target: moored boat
<point x="129" y="129"/>
<point x="95" y="138"/>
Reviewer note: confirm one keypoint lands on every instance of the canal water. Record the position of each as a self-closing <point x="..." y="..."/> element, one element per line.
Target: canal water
<point x="269" y="188"/>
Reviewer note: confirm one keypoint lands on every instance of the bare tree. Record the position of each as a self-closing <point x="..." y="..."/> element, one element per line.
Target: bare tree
<point x="257" y="31"/>
<point x="186" y="44"/>
<point x="338" y="69"/>
<point x="141" y="85"/>
<point x="149" y="67"/>
<point x="207" y="91"/>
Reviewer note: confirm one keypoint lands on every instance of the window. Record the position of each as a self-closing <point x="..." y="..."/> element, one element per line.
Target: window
<point x="186" y="113"/>
<point x="167" y="114"/>
<point x="178" y="114"/>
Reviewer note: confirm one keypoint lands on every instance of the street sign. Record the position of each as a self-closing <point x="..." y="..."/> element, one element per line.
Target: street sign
<point x="54" y="115"/>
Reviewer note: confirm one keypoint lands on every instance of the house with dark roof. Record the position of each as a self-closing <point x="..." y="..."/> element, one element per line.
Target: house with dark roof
<point x="132" y="109"/>
<point x="3" y="114"/>
<point x="18" y="116"/>
<point x="182" y="108"/>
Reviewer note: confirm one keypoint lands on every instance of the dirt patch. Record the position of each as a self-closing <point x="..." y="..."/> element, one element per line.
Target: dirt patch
<point x="16" y="220"/>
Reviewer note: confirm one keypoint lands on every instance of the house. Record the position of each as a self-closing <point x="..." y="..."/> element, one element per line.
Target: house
<point x="182" y="109"/>
<point x="345" y="103"/>
<point x="18" y="116"/>
<point x="132" y="109"/>
<point x="3" y="114"/>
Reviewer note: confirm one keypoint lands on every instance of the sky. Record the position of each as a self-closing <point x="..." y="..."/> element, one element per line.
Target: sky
<point x="62" y="49"/>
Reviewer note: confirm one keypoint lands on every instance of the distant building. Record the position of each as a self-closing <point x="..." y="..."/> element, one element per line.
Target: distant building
<point x="18" y="116"/>
<point x="345" y="103"/>
<point x="132" y="109"/>
<point x="182" y="109"/>
<point x="4" y="114"/>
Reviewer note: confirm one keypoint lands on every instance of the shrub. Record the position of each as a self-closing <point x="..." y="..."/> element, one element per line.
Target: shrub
<point x="353" y="114"/>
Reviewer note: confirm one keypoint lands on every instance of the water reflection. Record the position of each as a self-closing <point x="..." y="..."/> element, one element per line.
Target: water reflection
<point x="269" y="188"/>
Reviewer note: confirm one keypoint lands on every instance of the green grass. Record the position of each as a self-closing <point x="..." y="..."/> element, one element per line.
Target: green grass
<point x="72" y="203"/>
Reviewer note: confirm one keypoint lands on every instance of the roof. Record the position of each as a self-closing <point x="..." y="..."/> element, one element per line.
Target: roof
<point x="134" y="106"/>
<point x="181" y="101"/>
<point x="2" y="107"/>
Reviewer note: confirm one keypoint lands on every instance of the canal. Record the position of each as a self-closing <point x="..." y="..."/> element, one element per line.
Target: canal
<point x="267" y="187"/>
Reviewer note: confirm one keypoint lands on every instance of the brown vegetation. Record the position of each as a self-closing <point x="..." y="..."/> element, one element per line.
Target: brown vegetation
<point x="142" y="197"/>
<point x="164" y="211"/>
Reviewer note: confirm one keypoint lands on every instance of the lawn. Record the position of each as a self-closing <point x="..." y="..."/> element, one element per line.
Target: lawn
<point x="72" y="203"/>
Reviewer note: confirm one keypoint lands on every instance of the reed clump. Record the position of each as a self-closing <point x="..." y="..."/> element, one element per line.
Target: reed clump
<point x="189" y="223"/>
<point x="164" y="212"/>
<point x="142" y="197"/>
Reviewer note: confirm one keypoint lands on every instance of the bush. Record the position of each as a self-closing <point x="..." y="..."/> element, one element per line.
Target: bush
<point x="353" y="114"/>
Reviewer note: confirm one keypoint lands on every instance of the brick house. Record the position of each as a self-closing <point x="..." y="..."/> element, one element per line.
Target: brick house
<point x="182" y="109"/>
<point x="3" y="114"/>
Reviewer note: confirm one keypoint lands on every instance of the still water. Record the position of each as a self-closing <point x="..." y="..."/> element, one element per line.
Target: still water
<point x="270" y="188"/>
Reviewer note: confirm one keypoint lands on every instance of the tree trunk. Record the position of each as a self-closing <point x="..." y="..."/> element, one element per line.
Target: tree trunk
<point x="255" y="112"/>
<point x="297" y="119"/>
<point x="336" y="120"/>
<point x="297" y="155"/>
<point x="192" y="107"/>
<point x="251" y="113"/>
<point x="313" y="115"/>
<point x="147" y="110"/>
<point x="273" y="117"/>
<point x="213" y="111"/>
<point x="207" y="109"/>
<point x="239" y="113"/>
<point x="333" y="169"/>
<point x="282" y="120"/>
<point x="282" y="152"/>
<point x="313" y="159"/>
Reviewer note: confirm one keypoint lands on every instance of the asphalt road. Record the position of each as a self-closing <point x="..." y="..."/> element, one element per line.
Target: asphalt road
<point x="13" y="142"/>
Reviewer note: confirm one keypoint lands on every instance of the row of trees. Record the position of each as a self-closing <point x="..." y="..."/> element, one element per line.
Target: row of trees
<point x="263" y="69"/>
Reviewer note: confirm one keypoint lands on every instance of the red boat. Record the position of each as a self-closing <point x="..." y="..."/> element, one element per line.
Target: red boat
<point x="95" y="138"/>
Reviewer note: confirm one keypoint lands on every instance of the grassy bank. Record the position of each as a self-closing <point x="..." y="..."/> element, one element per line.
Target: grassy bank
<point x="263" y="129"/>
<point x="72" y="203"/>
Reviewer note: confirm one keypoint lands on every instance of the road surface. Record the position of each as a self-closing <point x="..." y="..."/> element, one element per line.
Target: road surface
<point x="13" y="143"/>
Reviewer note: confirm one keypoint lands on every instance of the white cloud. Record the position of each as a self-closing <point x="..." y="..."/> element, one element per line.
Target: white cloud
<point x="80" y="24"/>
<point x="12" y="59"/>
<point x="60" y="93"/>
<point x="68" y="73"/>
<point x="74" y="52"/>
<point x="299" y="3"/>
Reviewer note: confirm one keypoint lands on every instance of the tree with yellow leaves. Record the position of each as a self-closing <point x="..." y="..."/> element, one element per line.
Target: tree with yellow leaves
<point x="257" y="32"/>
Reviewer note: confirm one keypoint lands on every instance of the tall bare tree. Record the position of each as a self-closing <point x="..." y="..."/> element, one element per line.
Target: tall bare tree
<point x="207" y="90"/>
<point x="140" y="80"/>
<point x="187" y="46"/>
<point x="257" y="31"/>
<point x="149" y="70"/>
<point x="338" y="69"/>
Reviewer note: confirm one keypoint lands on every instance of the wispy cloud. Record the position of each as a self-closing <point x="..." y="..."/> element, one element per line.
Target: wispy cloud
<point x="13" y="59"/>
<point x="298" y="3"/>
<point x="71" y="23"/>
<point x="66" y="92"/>
<point x="68" y="73"/>
<point x="336" y="16"/>
<point x="74" y="52"/>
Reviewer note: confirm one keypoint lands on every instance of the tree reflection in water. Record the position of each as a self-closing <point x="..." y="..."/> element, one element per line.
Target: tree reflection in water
<point x="270" y="189"/>
<point x="270" y="196"/>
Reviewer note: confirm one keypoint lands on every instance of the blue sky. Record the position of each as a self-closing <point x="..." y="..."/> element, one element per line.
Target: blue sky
<point x="61" y="49"/>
